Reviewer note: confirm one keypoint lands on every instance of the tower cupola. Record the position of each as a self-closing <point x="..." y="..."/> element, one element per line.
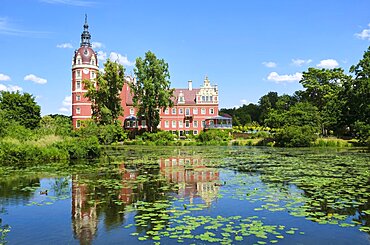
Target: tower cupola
<point x="85" y="36"/>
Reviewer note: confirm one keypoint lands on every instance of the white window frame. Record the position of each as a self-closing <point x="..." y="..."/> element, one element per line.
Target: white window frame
<point x="195" y="111"/>
<point x="173" y="111"/>
<point x="78" y="123"/>
<point x="203" y="111"/>
<point x="78" y="110"/>
<point x="78" y="74"/>
<point x="78" y="85"/>
<point x="181" y="124"/>
<point x="167" y="111"/>
<point x="195" y="124"/>
<point x="173" y="123"/>
<point x="211" y="111"/>
<point x="166" y="124"/>
<point x="187" y="111"/>
<point x="78" y="97"/>
<point x="187" y="123"/>
<point x="195" y="132"/>
<point x="181" y="111"/>
<point x="143" y="123"/>
<point x="132" y="111"/>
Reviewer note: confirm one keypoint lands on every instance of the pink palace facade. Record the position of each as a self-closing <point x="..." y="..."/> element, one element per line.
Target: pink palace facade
<point x="194" y="109"/>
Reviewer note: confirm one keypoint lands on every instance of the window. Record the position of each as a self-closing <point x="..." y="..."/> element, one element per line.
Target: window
<point x="78" y="123"/>
<point x="195" y="132"/>
<point x="187" y="111"/>
<point x="203" y="98"/>
<point x="187" y="133"/>
<point x="173" y="111"/>
<point x="166" y="124"/>
<point x="187" y="123"/>
<point x="92" y="74"/>
<point x="93" y="62"/>
<point x="181" y="125"/>
<point x="203" y="124"/>
<point x="143" y="123"/>
<point x="195" y="111"/>
<point x="167" y="111"/>
<point x="127" y="124"/>
<point x="132" y="111"/>
<point x="211" y="111"/>
<point x="174" y="124"/>
<point x="78" y="97"/>
<point x="78" y="61"/>
<point x="203" y="111"/>
<point x="195" y="124"/>
<point x="78" y="85"/>
<point x="181" y="99"/>
<point x="181" y="111"/>
<point x="78" y="74"/>
<point x="78" y="110"/>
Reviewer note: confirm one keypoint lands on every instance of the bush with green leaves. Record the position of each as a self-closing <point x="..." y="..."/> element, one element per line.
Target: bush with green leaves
<point x="362" y="133"/>
<point x="296" y="136"/>
<point x="106" y="134"/>
<point x="214" y="135"/>
<point x="158" y="136"/>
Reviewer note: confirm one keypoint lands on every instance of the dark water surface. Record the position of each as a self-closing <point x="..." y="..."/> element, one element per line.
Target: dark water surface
<point x="190" y="195"/>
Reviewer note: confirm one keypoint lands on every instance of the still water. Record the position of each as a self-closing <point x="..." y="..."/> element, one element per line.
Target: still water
<point x="190" y="195"/>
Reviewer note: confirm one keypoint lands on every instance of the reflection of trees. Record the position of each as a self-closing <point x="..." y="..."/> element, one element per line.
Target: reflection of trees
<point x="17" y="190"/>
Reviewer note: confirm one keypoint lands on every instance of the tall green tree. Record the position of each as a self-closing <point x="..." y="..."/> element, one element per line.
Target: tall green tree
<point x="151" y="91"/>
<point x="266" y="103"/>
<point x="20" y="108"/>
<point x="105" y="94"/>
<point x="323" y="88"/>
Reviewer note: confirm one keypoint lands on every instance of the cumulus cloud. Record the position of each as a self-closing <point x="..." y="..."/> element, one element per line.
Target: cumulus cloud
<point x="301" y="62"/>
<point x="4" y="77"/>
<point x="328" y="64"/>
<point x="102" y="55"/>
<point x="35" y="79"/>
<point x="67" y="105"/>
<point x="123" y="60"/>
<point x="269" y="64"/>
<point x="96" y="45"/>
<point x="275" y="77"/>
<point x="64" y="45"/>
<point x="364" y="34"/>
<point x="10" y="88"/>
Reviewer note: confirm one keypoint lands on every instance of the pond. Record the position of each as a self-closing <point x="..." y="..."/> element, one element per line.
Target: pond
<point x="190" y="195"/>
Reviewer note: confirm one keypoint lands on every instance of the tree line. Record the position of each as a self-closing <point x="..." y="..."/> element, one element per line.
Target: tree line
<point x="331" y="103"/>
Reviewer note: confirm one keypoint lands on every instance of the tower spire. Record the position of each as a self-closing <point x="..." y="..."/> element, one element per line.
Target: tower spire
<point x="85" y="36"/>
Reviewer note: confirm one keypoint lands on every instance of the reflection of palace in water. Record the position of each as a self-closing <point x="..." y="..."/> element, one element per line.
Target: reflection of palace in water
<point x="193" y="177"/>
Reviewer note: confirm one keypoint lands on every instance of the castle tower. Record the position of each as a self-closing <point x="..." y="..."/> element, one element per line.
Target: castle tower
<point x="84" y="66"/>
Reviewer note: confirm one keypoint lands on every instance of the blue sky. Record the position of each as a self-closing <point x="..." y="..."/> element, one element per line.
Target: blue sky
<point x="246" y="47"/>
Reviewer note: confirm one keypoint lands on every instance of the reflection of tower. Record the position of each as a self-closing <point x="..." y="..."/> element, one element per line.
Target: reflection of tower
<point x="127" y="194"/>
<point x="84" y="66"/>
<point x="194" y="179"/>
<point x="84" y="217"/>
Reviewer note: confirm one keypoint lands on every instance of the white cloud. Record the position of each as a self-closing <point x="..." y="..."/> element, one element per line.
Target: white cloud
<point x="102" y="55"/>
<point x="7" y="28"/>
<point x="67" y="101"/>
<point x="269" y="64"/>
<point x="123" y="60"/>
<point x="4" y="77"/>
<point x="64" y="45"/>
<point x="96" y="45"/>
<point x="10" y="88"/>
<point x="300" y="62"/>
<point x="364" y="34"/>
<point x="328" y="64"/>
<point x="35" y="79"/>
<point x="275" y="77"/>
<point x="67" y="105"/>
<point x="80" y="3"/>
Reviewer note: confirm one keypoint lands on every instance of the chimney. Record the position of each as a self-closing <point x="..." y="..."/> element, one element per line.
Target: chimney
<point x="190" y="85"/>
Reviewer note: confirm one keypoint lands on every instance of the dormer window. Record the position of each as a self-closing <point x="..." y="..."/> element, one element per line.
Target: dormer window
<point x="181" y="97"/>
<point x="78" y="61"/>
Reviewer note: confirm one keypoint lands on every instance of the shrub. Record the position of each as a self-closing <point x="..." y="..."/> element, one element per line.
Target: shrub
<point x="214" y="135"/>
<point x="295" y="136"/>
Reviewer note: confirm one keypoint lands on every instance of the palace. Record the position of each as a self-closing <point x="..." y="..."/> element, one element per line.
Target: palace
<point x="194" y="109"/>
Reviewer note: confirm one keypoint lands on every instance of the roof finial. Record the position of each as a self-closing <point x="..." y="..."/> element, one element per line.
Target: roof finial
<point x="85" y="36"/>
